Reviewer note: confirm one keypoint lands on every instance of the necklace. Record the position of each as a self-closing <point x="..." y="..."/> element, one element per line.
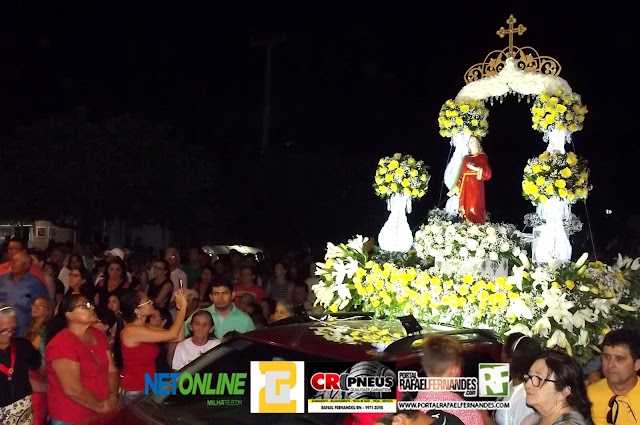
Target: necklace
<point x="9" y="370"/>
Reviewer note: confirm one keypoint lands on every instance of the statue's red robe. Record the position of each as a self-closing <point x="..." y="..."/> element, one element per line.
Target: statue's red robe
<point x="471" y="189"/>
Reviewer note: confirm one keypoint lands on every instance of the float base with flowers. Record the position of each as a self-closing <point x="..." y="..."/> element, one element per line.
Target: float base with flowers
<point x="462" y="274"/>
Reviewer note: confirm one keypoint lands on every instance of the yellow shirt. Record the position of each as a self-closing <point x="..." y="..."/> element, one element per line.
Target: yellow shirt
<point x="628" y="405"/>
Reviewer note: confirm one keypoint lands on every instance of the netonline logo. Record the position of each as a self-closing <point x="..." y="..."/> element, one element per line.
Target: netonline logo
<point x="331" y="381"/>
<point x="198" y="383"/>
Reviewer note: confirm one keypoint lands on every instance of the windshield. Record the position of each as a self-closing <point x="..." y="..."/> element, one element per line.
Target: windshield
<point x="232" y="357"/>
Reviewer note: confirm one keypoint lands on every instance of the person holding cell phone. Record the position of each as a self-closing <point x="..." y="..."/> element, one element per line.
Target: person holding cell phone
<point x="136" y="343"/>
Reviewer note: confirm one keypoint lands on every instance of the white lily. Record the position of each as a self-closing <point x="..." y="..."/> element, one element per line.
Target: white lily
<point x="339" y="271"/>
<point x="345" y="302"/>
<point x="520" y="309"/>
<point x="342" y="269"/>
<point x="582" y="260"/>
<point x="320" y="269"/>
<point x="541" y="278"/>
<point x="343" y="291"/>
<point x="523" y="329"/>
<point x="623" y="262"/>
<point x="582" y="316"/>
<point x="525" y="260"/>
<point x="558" y="339"/>
<point x="603" y="305"/>
<point x="558" y="308"/>
<point x="516" y="278"/>
<point x="636" y="264"/>
<point x="584" y="338"/>
<point x="542" y="327"/>
<point x="357" y="243"/>
<point x="333" y="251"/>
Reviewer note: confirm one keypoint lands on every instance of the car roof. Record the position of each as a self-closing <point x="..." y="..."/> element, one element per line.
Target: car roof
<point x="365" y="339"/>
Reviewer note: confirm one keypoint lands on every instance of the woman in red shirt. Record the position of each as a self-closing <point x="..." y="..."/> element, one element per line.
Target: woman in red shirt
<point x="135" y="347"/>
<point x="83" y="379"/>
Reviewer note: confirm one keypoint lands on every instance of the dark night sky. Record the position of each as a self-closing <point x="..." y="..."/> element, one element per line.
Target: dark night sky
<point x="352" y="81"/>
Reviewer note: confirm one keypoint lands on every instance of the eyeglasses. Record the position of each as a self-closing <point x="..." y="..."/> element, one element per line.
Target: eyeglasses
<point x="614" y="410"/>
<point x="537" y="381"/>
<point x="74" y="274"/>
<point x="10" y="331"/>
<point x="145" y="303"/>
<point x="86" y="306"/>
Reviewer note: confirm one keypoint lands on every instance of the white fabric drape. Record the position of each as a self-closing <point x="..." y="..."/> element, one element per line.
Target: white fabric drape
<point x="396" y="234"/>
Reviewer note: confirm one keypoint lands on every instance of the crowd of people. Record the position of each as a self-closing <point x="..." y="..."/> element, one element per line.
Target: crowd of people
<point x="547" y="386"/>
<point x="78" y="333"/>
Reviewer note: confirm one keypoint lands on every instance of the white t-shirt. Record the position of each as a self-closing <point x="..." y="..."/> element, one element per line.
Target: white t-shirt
<point x="518" y="410"/>
<point x="187" y="351"/>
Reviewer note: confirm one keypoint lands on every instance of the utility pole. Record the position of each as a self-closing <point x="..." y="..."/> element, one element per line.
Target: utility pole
<point x="268" y="44"/>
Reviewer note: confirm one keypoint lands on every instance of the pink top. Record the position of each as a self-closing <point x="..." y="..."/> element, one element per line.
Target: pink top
<point x="136" y="362"/>
<point x="468" y="417"/>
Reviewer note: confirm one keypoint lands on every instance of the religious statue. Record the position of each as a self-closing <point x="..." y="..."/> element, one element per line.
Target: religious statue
<point x="470" y="183"/>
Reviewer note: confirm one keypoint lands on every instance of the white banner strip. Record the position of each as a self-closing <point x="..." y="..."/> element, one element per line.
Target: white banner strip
<point x="346" y="406"/>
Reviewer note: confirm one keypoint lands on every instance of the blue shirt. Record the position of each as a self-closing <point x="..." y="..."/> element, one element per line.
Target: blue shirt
<point x="21" y="294"/>
<point x="236" y="320"/>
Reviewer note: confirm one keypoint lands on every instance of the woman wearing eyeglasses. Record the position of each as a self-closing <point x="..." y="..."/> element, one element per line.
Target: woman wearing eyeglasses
<point x="80" y="282"/>
<point x="41" y="313"/>
<point x="17" y="358"/>
<point x="83" y="379"/>
<point x="555" y="390"/>
<point x="136" y="344"/>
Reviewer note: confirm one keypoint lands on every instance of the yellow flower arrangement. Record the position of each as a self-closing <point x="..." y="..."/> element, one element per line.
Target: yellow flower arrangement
<point x="401" y="175"/>
<point x="463" y="116"/>
<point x="556" y="174"/>
<point x="571" y="306"/>
<point x="558" y="111"/>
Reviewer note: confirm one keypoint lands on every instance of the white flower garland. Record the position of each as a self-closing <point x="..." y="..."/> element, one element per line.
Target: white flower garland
<point x="463" y="241"/>
<point x="511" y="79"/>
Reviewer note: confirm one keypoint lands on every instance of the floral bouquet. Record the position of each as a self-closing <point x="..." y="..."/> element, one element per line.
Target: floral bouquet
<point x="569" y="305"/>
<point x="447" y="240"/>
<point x="401" y="175"/>
<point x="572" y="306"/>
<point x="463" y="116"/>
<point x="561" y="111"/>
<point x="556" y="174"/>
<point x="343" y="262"/>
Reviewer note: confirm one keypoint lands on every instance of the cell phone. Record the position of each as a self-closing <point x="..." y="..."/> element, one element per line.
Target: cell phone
<point x="180" y="283"/>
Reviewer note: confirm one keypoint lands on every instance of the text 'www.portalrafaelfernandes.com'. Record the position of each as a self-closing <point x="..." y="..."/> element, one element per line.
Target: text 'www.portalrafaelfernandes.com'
<point x="454" y="405"/>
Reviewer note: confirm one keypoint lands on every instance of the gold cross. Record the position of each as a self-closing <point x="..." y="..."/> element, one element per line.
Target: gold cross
<point x="519" y="30"/>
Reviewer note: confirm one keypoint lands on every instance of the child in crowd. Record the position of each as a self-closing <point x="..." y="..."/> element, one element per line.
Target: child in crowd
<point x="106" y="321"/>
<point x="201" y="327"/>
